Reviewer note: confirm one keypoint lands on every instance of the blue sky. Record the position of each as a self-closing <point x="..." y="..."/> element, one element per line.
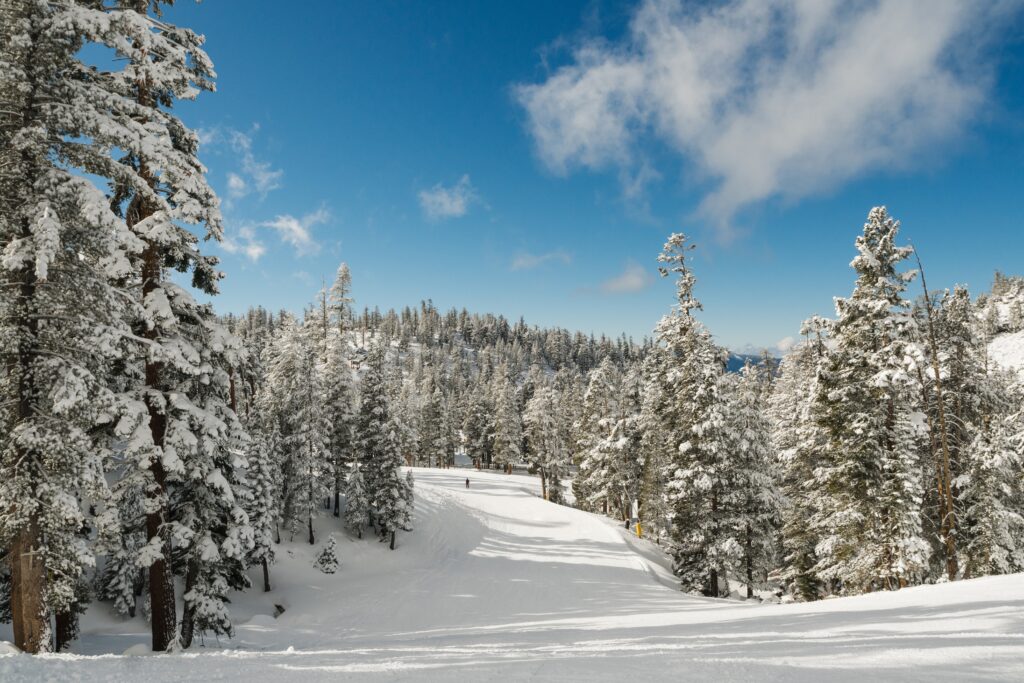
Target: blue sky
<point x="529" y="158"/>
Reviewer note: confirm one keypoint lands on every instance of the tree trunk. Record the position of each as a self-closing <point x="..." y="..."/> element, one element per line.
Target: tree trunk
<point x="188" y="615"/>
<point x="543" y="485"/>
<point x="266" y="575"/>
<point x="750" y="563"/>
<point x="337" y="493"/>
<point x="312" y="541"/>
<point x="392" y="540"/>
<point x="67" y="628"/>
<point x="28" y="615"/>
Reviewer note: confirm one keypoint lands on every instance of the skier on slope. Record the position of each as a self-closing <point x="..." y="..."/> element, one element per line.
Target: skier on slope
<point x="467" y="482"/>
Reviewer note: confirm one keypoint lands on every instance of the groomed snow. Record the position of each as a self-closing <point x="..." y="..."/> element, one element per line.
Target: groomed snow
<point x="496" y="584"/>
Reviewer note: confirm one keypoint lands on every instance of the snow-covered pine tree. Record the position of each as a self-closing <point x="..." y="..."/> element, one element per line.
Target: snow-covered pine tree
<point x="340" y="300"/>
<point x="656" y="449"/>
<point x="990" y="486"/>
<point x="547" y="447"/>
<point x="327" y="559"/>
<point x="158" y="186"/>
<point x="379" y="452"/>
<point x="598" y="416"/>
<point x="799" y="444"/>
<point x="870" y="489"/>
<point x="433" y="442"/>
<point x="508" y="428"/>
<point x="339" y="411"/>
<point x="293" y="396"/>
<point x="121" y="581"/>
<point x="357" y="503"/>
<point x="210" y="505"/>
<point x="264" y="506"/>
<point x="476" y="425"/>
<point x="696" y="484"/>
<point x="754" y="499"/>
<point x="62" y="317"/>
<point x="621" y="449"/>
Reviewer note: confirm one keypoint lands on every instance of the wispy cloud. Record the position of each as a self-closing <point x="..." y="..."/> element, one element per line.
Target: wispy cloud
<point x="261" y="174"/>
<point x="633" y="278"/>
<point x="767" y="99"/>
<point x="245" y="243"/>
<point x="237" y="187"/>
<point x="527" y="261"/>
<point x="440" y="202"/>
<point x="252" y="174"/>
<point x="298" y="231"/>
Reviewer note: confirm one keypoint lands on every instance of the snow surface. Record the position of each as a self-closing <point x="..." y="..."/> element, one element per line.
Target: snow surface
<point x="497" y="584"/>
<point x="1008" y="351"/>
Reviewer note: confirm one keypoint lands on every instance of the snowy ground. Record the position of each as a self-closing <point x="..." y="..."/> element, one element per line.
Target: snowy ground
<point x="496" y="584"/>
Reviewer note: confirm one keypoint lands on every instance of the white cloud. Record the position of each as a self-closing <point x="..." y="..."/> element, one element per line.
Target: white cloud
<point x="633" y="278"/>
<point x="768" y="99"/>
<point x="263" y="176"/>
<point x="246" y="244"/>
<point x="528" y="261"/>
<point x="237" y="187"/>
<point x="298" y="231"/>
<point x="441" y="202"/>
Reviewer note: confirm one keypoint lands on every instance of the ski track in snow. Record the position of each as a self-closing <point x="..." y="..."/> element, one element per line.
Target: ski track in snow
<point x="496" y="584"/>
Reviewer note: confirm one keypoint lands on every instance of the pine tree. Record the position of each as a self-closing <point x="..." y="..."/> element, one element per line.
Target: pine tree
<point x="869" y="518"/>
<point x="327" y="559"/>
<point x="508" y="430"/>
<point x="339" y="413"/>
<point x="546" y="439"/>
<point x="754" y="497"/>
<point x="433" y="442"/>
<point x="990" y="486"/>
<point x="656" y="449"/>
<point x="159" y="188"/>
<point x="357" y="504"/>
<point x="379" y="452"/>
<point x="597" y="418"/>
<point x="476" y="427"/>
<point x="293" y="396"/>
<point x="696" y="484"/>
<point x="799" y="444"/>
<point x="64" y="311"/>
<point x="264" y="504"/>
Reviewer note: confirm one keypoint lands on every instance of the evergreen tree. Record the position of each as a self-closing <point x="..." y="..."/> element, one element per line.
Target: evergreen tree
<point x="754" y="496"/>
<point x="799" y="443"/>
<point x="357" y="504"/>
<point x="508" y="430"/>
<point x="379" y="452"/>
<point x="264" y="504"/>
<point x="869" y="515"/>
<point x="547" y="446"/>
<point x="293" y="396"/>
<point x="327" y="559"/>
<point x="696" y="484"/>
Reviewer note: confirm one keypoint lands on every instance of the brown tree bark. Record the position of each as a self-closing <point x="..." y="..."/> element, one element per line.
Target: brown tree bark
<point x="28" y="614"/>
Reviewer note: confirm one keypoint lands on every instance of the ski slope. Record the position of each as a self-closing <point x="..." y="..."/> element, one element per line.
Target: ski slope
<point x="497" y="584"/>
